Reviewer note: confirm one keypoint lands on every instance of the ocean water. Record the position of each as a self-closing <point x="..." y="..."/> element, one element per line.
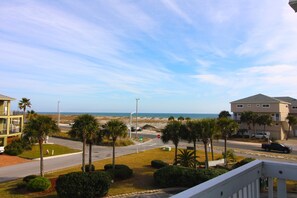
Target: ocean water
<point x="150" y="115"/>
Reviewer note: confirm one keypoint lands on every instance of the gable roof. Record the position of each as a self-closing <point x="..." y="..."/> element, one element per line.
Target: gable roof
<point x="2" y="97"/>
<point x="259" y="98"/>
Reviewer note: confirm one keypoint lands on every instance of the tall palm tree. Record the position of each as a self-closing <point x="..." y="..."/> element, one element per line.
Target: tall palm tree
<point x="207" y="131"/>
<point x="38" y="128"/>
<point x="265" y="120"/>
<point x="292" y="120"/>
<point x="23" y="104"/>
<point x="227" y="127"/>
<point x="172" y="131"/>
<point x="191" y="132"/>
<point x="84" y="127"/>
<point x="115" y="129"/>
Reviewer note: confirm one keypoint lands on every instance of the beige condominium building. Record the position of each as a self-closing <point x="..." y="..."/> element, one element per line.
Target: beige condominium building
<point x="11" y="123"/>
<point x="278" y="107"/>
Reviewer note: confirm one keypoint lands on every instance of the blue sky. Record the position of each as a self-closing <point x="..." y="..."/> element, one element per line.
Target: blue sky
<point x="189" y="56"/>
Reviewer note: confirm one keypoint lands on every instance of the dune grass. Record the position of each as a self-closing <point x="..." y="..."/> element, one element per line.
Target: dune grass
<point x="54" y="149"/>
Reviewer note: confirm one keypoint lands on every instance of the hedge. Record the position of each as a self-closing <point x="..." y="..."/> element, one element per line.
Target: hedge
<point x="79" y="184"/>
<point x="158" y="164"/>
<point x="120" y="172"/>
<point x="178" y="176"/>
<point x="38" y="184"/>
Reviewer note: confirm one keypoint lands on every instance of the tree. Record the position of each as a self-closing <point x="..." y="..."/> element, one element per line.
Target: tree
<point x="23" y="104"/>
<point x="172" y="131"/>
<point x="186" y="158"/>
<point x="207" y="132"/>
<point x="115" y="129"/>
<point x="85" y="127"/>
<point x="181" y="118"/>
<point x="247" y="117"/>
<point x="171" y="118"/>
<point x="292" y="120"/>
<point x="37" y="129"/>
<point x="265" y="120"/>
<point x="224" y="114"/>
<point x="227" y="127"/>
<point x="191" y="132"/>
<point x="31" y="114"/>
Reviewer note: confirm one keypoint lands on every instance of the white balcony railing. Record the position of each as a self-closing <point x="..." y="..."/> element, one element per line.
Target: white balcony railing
<point x="244" y="182"/>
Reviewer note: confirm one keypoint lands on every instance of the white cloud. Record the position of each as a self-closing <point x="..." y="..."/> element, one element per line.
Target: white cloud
<point x="172" y="5"/>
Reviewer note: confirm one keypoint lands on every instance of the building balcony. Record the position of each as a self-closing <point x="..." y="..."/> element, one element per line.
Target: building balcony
<point x="244" y="182"/>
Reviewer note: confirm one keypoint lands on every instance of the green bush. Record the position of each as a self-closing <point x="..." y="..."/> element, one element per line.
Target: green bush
<point x="173" y="176"/>
<point x="79" y="184"/>
<point x="243" y="162"/>
<point x="158" y="164"/>
<point x="17" y="147"/>
<point x="231" y="157"/>
<point x="121" y="171"/>
<point x="87" y="168"/>
<point x="29" y="177"/>
<point x="178" y="176"/>
<point x="38" y="184"/>
<point x="21" y="185"/>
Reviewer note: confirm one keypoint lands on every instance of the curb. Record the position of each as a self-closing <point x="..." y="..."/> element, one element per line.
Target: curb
<point x="57" y="156"/>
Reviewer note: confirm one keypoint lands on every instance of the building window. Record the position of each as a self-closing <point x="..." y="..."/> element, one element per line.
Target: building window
<point x="239" y="106"/>
<point x="294" y="107"/>
<point x="265" y="105"/>
<point x="257" y="105"/>
<point x="249" y="105"/>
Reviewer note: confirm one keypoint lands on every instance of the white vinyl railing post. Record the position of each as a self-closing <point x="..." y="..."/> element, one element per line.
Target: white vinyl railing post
<point x="270" y="187"/>
<point x="281" y="188"/>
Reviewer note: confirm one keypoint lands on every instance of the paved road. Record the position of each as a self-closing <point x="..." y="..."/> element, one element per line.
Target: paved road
<point x="51" y="164"/>
<point x="100" y="152"/>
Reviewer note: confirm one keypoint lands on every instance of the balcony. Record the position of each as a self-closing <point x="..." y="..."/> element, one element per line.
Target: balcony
<point x="244" y="182"/>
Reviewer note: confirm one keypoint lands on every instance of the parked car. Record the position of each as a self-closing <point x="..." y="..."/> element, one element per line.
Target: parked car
<point x="1" y="149"/>
<point x="277" y="147"/>
<point x="138" y="129"/>
<point x="241" y="133"/>
<point x="261" y="135"/>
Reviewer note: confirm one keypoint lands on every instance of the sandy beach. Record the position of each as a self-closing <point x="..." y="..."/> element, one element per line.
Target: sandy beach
<point x="158" y="123"/>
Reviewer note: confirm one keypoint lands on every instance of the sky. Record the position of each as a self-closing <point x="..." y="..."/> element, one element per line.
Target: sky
<point x="191" y="56"/>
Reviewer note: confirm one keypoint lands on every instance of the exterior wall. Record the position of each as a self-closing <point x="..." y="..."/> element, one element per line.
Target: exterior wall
<point x="11" y="126"/>
<point x="293" y="108"/>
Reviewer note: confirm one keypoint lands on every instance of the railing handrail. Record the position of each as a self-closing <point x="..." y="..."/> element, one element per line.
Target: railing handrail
<point x="245" y="179"/>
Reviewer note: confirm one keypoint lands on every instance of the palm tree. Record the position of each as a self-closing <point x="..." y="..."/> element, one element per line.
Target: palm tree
<point x="224" y="114"/>
<point x="265" y="120"/>
<point x="191" y="132"/>
<point x="31" y="114"/>
<point x="208" y="129"/>
<point x="292" y="120"/>
<point x="115" y="129"/>
<point x="248" y="118"/>
<point x="172" y="131"/>
<point x="84" y="127"/>
<point x="180" y="118"/>
<point x="38" y="128"/>
<point x="186" y="158"/>
<point x="23" y="104"/>
<point x="227" y="127"/>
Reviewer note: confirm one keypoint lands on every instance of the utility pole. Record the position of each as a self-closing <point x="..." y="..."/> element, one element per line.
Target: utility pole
<point x="136" y="114"/>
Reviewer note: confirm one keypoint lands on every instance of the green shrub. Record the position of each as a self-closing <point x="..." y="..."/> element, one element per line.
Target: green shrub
<point x="21" y="185"/>
<point x="231" y="157"/>
<point x="29" y="177"/>
<point x="17" y="147"/>
<point x="243" y="162"/>
<point x="121" y="171"/>
<point x="173" y="176"/>
<point x="158" y="164"/>
<point x="79" y="184"/>
<point x="87" y="168"/>
<point x="38" y="184"/>
<point x="178" y="176"/>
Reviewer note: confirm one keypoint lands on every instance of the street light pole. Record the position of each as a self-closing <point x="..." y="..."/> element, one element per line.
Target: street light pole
<point x="136" y="114"/>
<point x="58" y="112"/>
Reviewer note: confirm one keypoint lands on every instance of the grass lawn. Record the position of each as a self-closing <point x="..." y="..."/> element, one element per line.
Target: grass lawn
<point x="57" y="150"/>
<point x="141" y="181"/>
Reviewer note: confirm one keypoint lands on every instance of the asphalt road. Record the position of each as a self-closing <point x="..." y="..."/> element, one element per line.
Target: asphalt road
<point x="99" y="152"/>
